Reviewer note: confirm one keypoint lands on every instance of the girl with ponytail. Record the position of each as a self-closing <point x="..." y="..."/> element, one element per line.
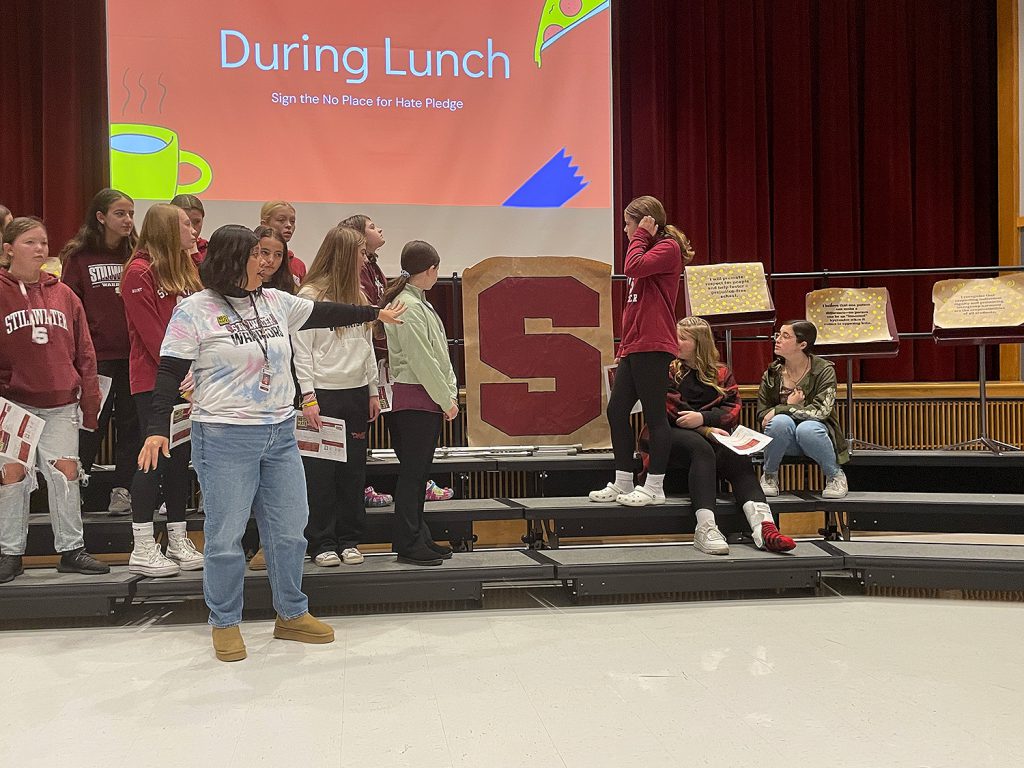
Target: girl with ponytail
<point x="425" y="393"/>
<point x="654" y="264"/>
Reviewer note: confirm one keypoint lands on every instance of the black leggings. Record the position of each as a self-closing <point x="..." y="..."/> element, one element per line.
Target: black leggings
<point x="704" y="463"/>
<point x="334" y="489"/>
<point x="170" y="474"/>
<point x="414" y="436"/>
<point x="126" y="426"/>
<point x="640" y="376"/>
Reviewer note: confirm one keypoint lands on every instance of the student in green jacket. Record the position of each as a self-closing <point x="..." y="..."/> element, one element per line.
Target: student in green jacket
<point x="425" y="394"/>
<point x="796" y="407"/>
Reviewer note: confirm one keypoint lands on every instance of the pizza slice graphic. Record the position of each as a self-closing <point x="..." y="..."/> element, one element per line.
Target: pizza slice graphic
<point x="561" y="16"/>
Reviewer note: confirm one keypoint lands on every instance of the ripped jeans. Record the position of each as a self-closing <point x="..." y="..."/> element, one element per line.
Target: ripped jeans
<point x="59" y="440"/>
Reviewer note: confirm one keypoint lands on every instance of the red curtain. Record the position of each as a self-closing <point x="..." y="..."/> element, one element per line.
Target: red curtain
<point x="839" y="134"/>
<point x="53" y="112"/>
<point x="843" y="134"/>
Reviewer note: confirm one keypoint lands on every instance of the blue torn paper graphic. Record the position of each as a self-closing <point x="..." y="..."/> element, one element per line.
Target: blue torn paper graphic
<point x="552" y="186"/>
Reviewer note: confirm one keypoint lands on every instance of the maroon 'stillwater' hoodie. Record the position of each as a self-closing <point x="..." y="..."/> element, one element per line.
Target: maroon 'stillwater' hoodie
<point x="60" y="371"/>
<point x="649" y="317"/>
<point x="148" y="310"/>
<point x="95" y="277"/>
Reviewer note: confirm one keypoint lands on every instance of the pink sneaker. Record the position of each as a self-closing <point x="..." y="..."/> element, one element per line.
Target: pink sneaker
<point x="437" y="493"/>
<point x="373" y="499"/>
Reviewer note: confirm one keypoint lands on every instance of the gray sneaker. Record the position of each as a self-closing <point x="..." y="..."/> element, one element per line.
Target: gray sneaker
<point x="120" y="502"/>
<point x="836" y="487"/>
<point x="770" y="483"/>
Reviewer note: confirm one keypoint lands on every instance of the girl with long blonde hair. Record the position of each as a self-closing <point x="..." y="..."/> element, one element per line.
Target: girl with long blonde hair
<point x="703" y="399"/>
<point x="337" y="374"/>
<point x="159" y="274"/>
<point x="280" y="215"/>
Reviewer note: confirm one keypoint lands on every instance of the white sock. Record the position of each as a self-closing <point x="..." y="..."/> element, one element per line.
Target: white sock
<point x="177" y="530"/>
<point x="655" y="484"/>
<point x="705" y="517"/>
<point x="142" y="532"/>
<point x="624" y="481"/>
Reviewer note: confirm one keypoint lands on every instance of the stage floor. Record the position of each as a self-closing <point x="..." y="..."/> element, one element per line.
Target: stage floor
<point x="836" y="681"/>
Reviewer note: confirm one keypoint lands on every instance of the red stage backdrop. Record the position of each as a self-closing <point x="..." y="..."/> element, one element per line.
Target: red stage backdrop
<point x="847" y="134"/>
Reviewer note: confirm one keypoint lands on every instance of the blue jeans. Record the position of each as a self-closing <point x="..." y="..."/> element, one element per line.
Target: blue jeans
<point x="805" y="438"/>
<point x="243" y="468"/>
<point x="57" y="441"/>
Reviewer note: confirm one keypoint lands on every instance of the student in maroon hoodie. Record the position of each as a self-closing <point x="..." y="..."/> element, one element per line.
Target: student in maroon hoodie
<point x="48" y="367"/>
<point x="280" y="215"/>
<point x="92" y="263"/>
<point x="159" y="275"/>
<point x="654" y="264"/>
<point x="193" y="206"/>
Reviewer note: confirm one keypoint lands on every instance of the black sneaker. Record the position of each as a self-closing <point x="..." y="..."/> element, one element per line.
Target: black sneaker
<point x="423" y="556"/>
<point x="445" y="553"/>
<point x="10" y="566"/>
<point x="80" y="561"/>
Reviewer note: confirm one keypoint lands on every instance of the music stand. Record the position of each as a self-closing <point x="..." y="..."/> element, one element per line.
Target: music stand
<point x="859" y="350"/>
<point x="729" y="318"/>
<point x="980" y="338"/>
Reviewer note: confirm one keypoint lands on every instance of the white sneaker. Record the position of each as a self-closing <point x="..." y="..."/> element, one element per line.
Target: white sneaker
<point x="148" y="560"/>
<point x="120" y="502"/>
<point x="351" y="556"/>
<point x="184" y="553"/>
<point x="327" y="559"/>
<point x="770" y="483"/>
<point x="607" y="495"/>
<point x="757" y="512"/>
<point x="836" y="487"/>
<point x="640" y="497"/>
<point x="709" y="540"/>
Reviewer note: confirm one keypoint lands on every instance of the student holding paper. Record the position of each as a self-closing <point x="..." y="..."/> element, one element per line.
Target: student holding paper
<point x="48" y="368"/>
<point x="236" y="337"/>
<point x="703" y="399"/>
<point x="654" y="264"/>
<point x="796" y="407"/>
<point x="92" y="264"/>
<point x="337" y="374"/>
<point x="425" y="395"/>
<point x="158" y="276"/>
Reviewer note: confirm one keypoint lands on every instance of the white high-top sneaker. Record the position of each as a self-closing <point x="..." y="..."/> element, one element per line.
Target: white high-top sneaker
<point x="147" y="559"/>
<point x="757" y="512"/>
<point x="181" y="550"/>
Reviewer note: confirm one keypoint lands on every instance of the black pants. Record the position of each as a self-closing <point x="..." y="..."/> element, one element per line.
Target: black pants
<point x="640" y="376"/>
<point x="704" y="464"/>
<point x="334" y="489"/>
<point x="170" y="474"/>
<point x="414" y="436"/>
<point x="127" y="441"/>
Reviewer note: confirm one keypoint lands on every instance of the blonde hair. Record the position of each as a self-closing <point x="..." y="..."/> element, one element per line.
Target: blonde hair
<point x="173" y="270"/>
<point x="334" y="273"/>
<point x="272" y="205"/>
<point x="645" y="205"/>
<point x="705" y="353"/>
<point x="13" y="231"/>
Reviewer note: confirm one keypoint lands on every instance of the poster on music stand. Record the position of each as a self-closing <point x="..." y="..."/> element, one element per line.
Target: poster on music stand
<point x="856" y="321"/>
<point x="994" y="305"/>
<point x="733" y="293"/>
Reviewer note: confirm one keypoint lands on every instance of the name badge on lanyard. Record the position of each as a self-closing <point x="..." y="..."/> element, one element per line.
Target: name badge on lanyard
<point x="265" y="377"/>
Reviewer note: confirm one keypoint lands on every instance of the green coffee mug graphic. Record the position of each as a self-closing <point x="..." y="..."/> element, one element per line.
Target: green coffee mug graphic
<point x="145" y="162"/>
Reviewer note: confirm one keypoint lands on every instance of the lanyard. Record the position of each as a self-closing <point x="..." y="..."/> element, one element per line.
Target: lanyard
<point x="258" y="334"/>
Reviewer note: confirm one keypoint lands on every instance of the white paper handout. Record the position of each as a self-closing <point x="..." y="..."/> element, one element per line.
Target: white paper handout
<point x="743" y="441"/>
<point x="19" y="433"/>
<point x="384" y="389"/>
<point x="181" y="424"/>
<point x="105" y="382"/>
<point x="609" y="380"/>
<point x="327" y="443"/>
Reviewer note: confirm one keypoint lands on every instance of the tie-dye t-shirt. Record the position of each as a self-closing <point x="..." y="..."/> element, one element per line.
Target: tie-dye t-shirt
<point x="224" y="343"/>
